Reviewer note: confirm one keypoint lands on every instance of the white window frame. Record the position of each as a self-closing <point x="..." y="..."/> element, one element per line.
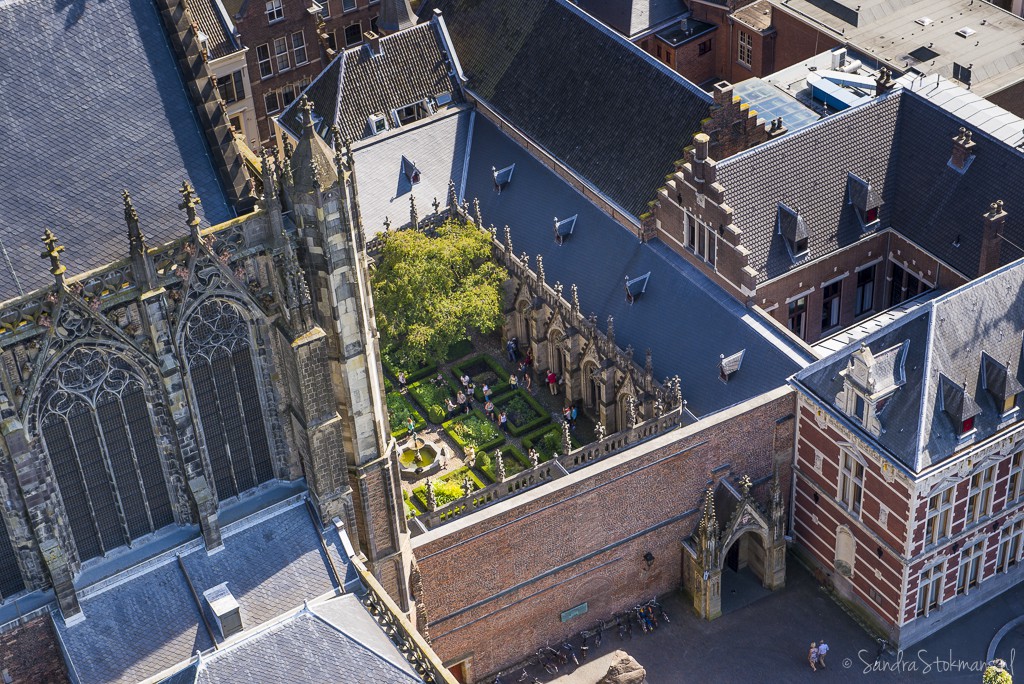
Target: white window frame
<point x="282" y="59"/>
<point x="299" y="48"/>
<point x="929" y="589"/>
<point x="940" y="510"/>
<point x="1010" y="546"/>
<point x="349" y="5"/>
<point x="1014" y="483"/>
<point x="971" y="568"/>
<point x="274" y="10"/>
<point x="746" y="49"/>
<point x="979" y="497"/>
<point x="266" y="60"/>
<point x="851" y="482"/>
<point x="277" y="99"/>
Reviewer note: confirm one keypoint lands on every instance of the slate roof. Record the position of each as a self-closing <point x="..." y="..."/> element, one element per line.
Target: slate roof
<point x="944" y="338"/>
<point x="145" y="620"/>
<point x="679" y="301"/>
<point x="808" y="171"/>
<point x="902" y="144"/>
<point x="213" y="20"/>
<point x="631" y="17"/>
<point x="610" y="112"/>
<point x="92" y="103"/>
<point x="337" y="637"/>
<point x="413" y="65"/>
<point x="439" y="150"/>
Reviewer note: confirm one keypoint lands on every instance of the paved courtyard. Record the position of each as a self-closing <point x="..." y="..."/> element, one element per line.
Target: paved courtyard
<point x="768" y="640"/>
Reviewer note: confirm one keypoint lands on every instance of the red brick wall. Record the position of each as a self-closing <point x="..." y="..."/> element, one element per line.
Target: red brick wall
<point x="795" y="40"/>
<point x="30" y="653"/>
<point x="255" y="30"/>
<point x="496" y="584"/>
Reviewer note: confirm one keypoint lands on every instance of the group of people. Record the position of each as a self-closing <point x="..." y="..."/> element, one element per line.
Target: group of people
<point x="569" y="415"/>
<point x="816" y="656"/>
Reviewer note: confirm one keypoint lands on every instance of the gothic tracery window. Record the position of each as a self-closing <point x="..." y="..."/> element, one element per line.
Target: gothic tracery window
<point x="97" y="428"/>
<point x="218" y="349"/>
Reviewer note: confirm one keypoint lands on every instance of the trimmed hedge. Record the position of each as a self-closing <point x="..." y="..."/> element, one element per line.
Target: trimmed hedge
<point x="458" y="350"/>
<point x="540" y="414"/>
<point x="483" y="369"/>
<point x="431" y="398"/>
<point x="547" y="446"/>
<point x="455" y="477"/>
<point x="411" y="376"/>
<point x="399" y="409"/>
<point x="514" y="460"/>
<point x="476" y="416"/>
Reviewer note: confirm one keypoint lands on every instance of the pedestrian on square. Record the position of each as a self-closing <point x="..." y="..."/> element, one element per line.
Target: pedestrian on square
<point x="567" y="414"/>
<point x="513" y="381"/>
<point x="450" y="406"/>
<point x="410" y="425"/>
<point x="552" y="382"/>
<point x="489" y="409"/>
<point x="572" y="417"/>
<point x="503" y="421"/>
<point x="460" y="399"/>
<point x="527" y="381"/>
<point x="465" y="380"/>
<point x="401" y="380"/>
<point x="511" y="348"/>
<point x="487" y="392"/>
<point x="812" y="657"/>
<point x="822" y="652"/>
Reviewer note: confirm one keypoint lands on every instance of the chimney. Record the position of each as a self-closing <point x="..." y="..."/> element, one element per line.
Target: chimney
<point x="700" y="159"/>
<point x="883" y="82"/>
<point x="962" y="146"/>
<point x="224" y="609"/>
<point x="372" y="42"/>
<point x="991" y="238"/>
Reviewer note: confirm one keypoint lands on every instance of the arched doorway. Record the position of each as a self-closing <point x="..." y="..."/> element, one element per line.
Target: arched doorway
<point x="726" y="568"/>
<point x="554" y="351"/>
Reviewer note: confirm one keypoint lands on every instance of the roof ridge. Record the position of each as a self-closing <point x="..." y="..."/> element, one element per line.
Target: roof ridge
<point x="617" y="37"/>
<point x="838" y="116"/>
<point x="311" y="611"/>
<point x="925" y="388"/>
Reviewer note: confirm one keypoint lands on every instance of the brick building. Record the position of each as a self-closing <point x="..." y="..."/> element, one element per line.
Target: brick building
<point x="908" y="460"/>
<point x="820" y="246"/>
<point x="289" y="42"/>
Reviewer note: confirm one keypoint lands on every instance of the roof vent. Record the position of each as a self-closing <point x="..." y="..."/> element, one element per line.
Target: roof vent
<point x="966" y="32"/>
<point x="635" y="287"/>
<point x="727" y="365"/>
<point x="225" y="610"/>
<point x="564" y="228"/>
<point x="924" y="21"/>
<point x="502" y="177"/>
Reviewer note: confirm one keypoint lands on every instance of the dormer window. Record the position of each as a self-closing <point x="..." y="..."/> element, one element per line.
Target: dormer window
<point x="959" y="405"/>
<point x="727" y="365"/>
<point x="864" y="199"/>
<point x="1002" y="384"/>
<point x="794" y="231"/>
<point x="410" y="171"/>
<point x="377" y="123"/>
<point x="870" y="381"/>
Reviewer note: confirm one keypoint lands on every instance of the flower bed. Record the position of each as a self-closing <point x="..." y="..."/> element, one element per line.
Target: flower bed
<point x="514" y="460"/>
<point x="482" y="370"/>
<point x="473" y="429"/>
<point x="399" y="410"/>
<point x="447" y="488"/>
<point x="548" y="441"/>
<point x="431" y="398"/>
<point x="524" y="412"/>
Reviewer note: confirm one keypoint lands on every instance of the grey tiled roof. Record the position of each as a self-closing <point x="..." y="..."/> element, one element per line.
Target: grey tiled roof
<point x="412" y="65"/>
<point x="685" y="319"/>
<point x="612" y="113"/>
<point x="146" y="621"/>
<point x="337" y="641"/>
<point x="944" y="338"/>
<point x="630" y="17"/>
<point x="439" y="151"/>
<point x="808" y="171"/>
<point x="92" y="103"/>
<point x="901" y="143"/>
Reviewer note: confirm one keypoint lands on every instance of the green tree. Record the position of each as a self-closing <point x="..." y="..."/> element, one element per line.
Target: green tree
<point x="996" y="673"/>
<point x="431" y="291"/>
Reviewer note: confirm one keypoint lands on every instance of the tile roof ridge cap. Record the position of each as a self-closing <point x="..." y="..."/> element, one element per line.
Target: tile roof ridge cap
<point x="617" y="37"/>
<point x="838" y="116"/>
<point x="925" y="389"/>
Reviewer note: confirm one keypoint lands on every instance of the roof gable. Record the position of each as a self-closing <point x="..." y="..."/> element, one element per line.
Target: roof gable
<point x="570" y="83"/>
<point x="630" y="17"/>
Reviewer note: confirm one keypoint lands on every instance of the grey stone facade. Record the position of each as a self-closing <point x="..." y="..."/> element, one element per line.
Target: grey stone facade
<point x="147" y="393"/>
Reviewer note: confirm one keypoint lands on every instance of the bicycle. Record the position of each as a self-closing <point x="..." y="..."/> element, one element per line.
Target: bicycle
<point x="884" y="648"/>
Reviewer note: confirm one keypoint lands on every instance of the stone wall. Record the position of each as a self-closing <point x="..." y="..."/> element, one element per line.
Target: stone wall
<point x="496" y="582"/>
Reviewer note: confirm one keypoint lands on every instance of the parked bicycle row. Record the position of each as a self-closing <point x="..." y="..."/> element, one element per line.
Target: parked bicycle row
<point x="646" y="617"/>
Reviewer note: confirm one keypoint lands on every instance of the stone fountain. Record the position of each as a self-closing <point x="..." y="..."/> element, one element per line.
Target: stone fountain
<point x="417" y="458"/>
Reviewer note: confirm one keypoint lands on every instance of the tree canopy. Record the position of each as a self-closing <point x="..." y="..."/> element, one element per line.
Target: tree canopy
<point x="431" y="291"/>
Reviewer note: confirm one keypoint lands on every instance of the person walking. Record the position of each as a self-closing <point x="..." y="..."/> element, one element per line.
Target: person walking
<point x="513" y="381"/>
<point x="572" y="417"/>
<point x="822" y="652"/>
<point x="527" y="381"/>
<point x="487" y="392"/>
<point x="512" y="348"/>
<point x="552" y="382"/>
<point x="401" y="380"/>
<point x="489" y="409"/>
<point x="503" y="421"/>
<point x="812" y="657"/>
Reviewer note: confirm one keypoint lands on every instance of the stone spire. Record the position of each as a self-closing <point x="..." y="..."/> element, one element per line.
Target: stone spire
<point x="575" y="301"/>
<point x="189" y="201"/>
<point x="540" y="269"/>
<point x="707" y="530"/>
<point x="313" y="160"/>
<point x="395" y="16"/>
<point x="142" y="265"/>
<point x="52" y="252"/>
<point x="453" y="198"/>
<point x="778" y="509"/>
<point x="508" y="240"/>
<point x="414" y="216"/>
<point x="499" y="465"/>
